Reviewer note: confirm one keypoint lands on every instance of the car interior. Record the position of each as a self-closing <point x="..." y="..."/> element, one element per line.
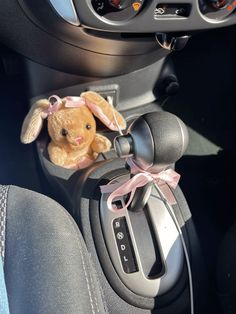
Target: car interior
<point x="95" y="239"/>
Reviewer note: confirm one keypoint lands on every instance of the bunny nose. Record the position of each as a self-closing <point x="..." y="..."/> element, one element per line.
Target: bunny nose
<point x="79" y="139"/>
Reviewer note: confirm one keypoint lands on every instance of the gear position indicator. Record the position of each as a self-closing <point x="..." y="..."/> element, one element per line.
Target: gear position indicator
<point x="124" y="245"/>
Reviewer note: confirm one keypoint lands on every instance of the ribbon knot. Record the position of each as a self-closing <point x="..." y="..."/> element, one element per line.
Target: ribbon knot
<point x="165" y="180"/>
<point x="77" y="102"/>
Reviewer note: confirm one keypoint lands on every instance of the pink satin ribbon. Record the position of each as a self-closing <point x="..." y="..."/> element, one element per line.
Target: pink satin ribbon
<point x="55" y="106"/>
<point x="164" y="180"/>
<point x="77" y="102"/>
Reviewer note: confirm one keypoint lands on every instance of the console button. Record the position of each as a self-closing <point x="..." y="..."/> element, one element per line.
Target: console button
<point x="124" y="245"/>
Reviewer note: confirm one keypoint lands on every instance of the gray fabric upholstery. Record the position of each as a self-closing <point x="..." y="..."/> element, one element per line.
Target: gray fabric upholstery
<point x="47" y="267"/>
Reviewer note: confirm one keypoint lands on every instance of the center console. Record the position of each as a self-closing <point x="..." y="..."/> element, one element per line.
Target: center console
<point x="137" y="251"/>
<point x="138" y="255"/>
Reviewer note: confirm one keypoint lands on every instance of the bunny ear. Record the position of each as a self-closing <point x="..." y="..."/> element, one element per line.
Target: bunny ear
<point x="104" y="111"/>
<point x="33" y="122"/>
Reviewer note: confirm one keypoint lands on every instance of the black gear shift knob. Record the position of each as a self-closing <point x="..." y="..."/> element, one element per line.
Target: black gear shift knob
<point x="154" y="141"/>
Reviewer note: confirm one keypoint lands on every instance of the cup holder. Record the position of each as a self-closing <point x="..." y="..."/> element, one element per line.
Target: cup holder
<point x="58" y="172"/>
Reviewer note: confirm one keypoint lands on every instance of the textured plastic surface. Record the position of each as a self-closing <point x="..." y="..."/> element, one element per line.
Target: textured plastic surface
<point x="158" y="140"/>
<point x="170" y="137"/>
<point x="147" y="21"/>
<point x="45" y="46"/>
<point x="133" y="88"/>
<point x="60" y="45"/>
<point x="42" y="14"/>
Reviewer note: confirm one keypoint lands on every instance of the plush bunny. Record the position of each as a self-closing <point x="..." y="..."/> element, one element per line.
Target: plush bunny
<point x="72" y="127"/>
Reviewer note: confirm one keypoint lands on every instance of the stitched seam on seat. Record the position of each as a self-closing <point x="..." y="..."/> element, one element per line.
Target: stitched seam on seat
<point x="3" y="212"/>
<point x="86" y="277"/>
<point x="93" y="286"/>
<point x="75" y="228"/>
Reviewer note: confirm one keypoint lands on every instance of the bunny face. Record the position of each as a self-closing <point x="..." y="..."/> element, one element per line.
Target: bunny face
<point x="74" y="128"/>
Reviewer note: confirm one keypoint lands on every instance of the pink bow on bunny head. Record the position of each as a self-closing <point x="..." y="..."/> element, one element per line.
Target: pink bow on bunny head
<point x="77" y="102"/>
<point x="43" y="108"/>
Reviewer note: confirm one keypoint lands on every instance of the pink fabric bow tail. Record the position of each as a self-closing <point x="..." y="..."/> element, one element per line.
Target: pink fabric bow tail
<point x="164" y="180"/>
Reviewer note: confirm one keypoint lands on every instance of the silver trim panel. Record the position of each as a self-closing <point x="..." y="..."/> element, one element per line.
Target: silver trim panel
<point x="169" y="243"/>
<point x="66" y="9"/>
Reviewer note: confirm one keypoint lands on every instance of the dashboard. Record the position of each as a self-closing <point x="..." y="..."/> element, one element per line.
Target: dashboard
<point x="102" y="38"/>
<point x="155" y="16"/>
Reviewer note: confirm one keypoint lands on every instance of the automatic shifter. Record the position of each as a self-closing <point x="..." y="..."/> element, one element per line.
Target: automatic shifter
<point x="154" y="142"/>
<point x="143" y="237"/>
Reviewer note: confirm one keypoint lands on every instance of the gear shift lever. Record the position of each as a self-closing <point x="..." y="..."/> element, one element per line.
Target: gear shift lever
<point x="147" y="248"/>
<point x="154" y="142"/>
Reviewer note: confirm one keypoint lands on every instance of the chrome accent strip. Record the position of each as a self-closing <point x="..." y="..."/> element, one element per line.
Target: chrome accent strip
<point x="66" y="9"/>
<point x="167" y="236"/>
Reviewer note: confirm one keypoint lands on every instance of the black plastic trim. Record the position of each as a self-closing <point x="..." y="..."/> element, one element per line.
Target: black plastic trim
<point x="146" y="21"/>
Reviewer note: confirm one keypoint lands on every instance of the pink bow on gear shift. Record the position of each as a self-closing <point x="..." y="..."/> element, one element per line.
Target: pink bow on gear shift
<point x="164" y="180"/>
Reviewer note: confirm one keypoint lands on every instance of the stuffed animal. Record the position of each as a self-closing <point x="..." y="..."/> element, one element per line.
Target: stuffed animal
<point x="72" y="127"/>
